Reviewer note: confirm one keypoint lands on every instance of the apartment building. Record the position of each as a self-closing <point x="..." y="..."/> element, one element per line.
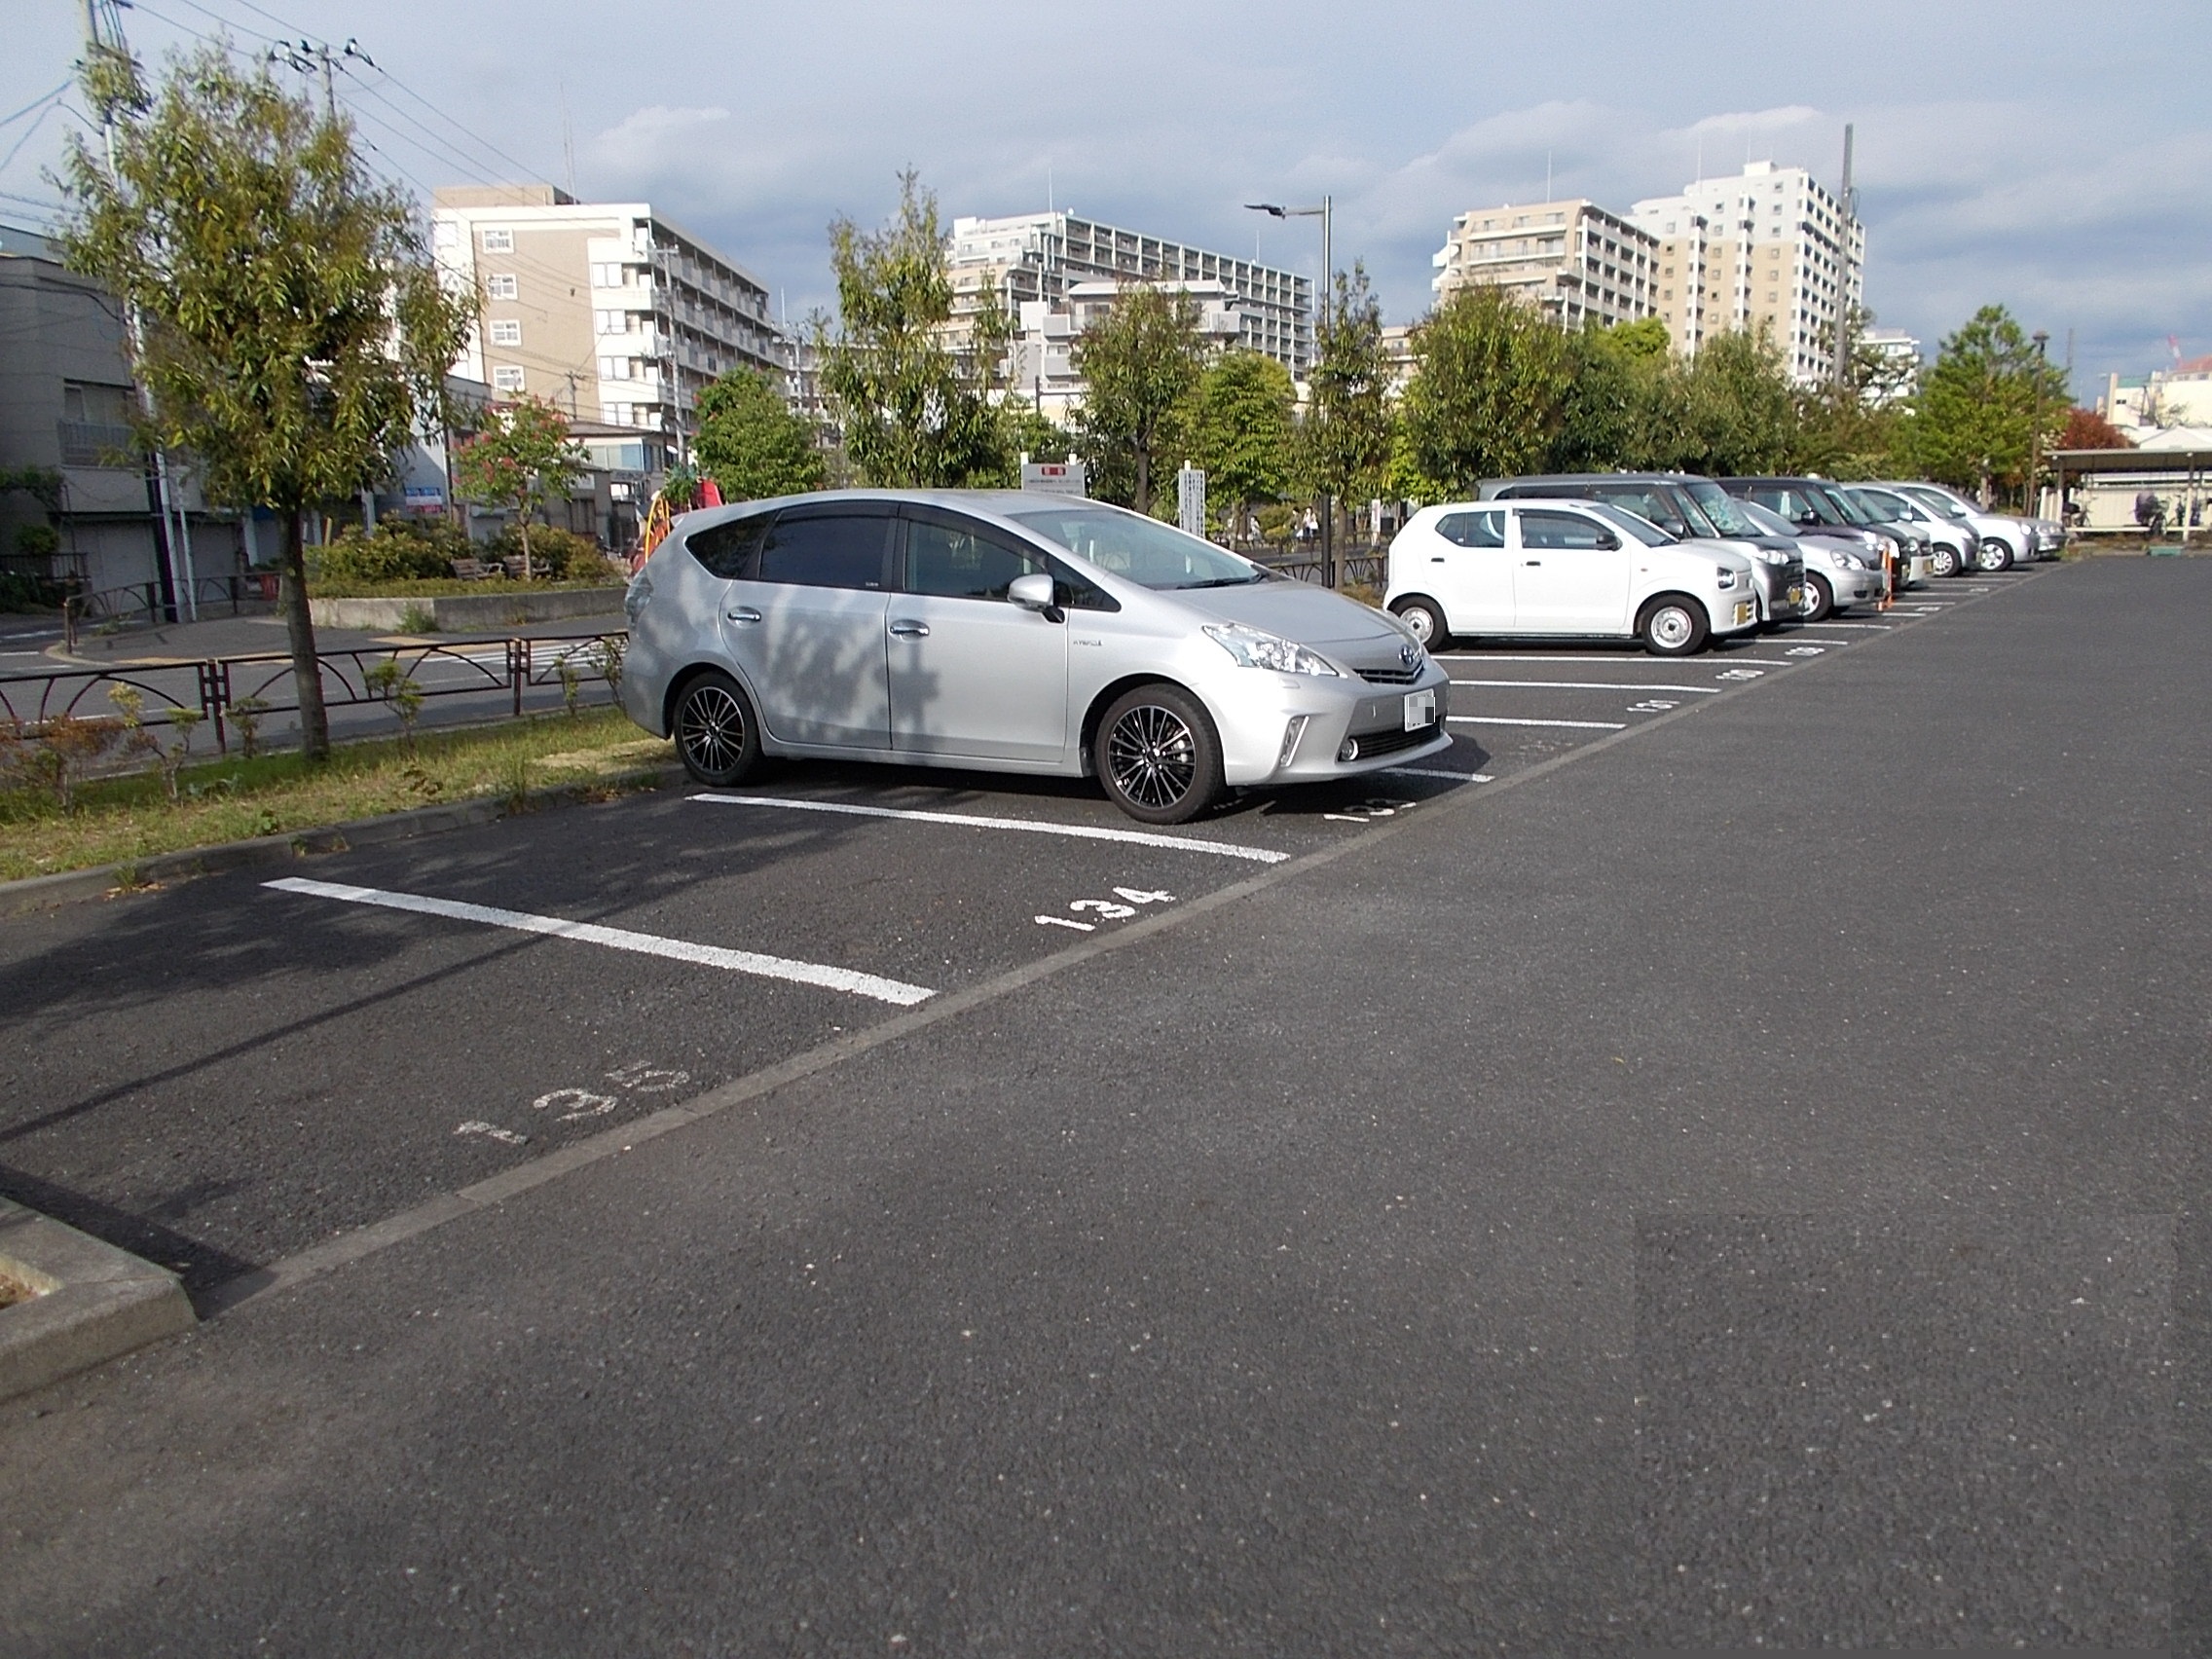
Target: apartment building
<point x="1039" y="366"/>
<point x="1770" y="245"/>
<point x="606" y="310"/>
<point x="66" y="400"/>
<point x="1038" y="258"/>
<point x="1573" y="260"/>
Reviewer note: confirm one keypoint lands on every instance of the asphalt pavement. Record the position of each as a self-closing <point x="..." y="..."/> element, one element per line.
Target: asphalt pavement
<point x="1712" y="1167"/>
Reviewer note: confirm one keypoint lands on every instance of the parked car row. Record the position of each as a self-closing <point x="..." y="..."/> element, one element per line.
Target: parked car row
<point x="1011" y="632"/>
<point x="1676" y="561"/>
<point x="1004" y="631"/>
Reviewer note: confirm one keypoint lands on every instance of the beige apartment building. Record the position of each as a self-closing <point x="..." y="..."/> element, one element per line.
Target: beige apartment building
<point x="606" y="310"/>
<point x="1571" y="259"/>
<point x="1767" y="247"/>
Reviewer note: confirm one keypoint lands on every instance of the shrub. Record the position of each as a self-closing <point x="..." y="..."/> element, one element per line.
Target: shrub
<point x="390" y="555"/>
<point x="556" y="555"/>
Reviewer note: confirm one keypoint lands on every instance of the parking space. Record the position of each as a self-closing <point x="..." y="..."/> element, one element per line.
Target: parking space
<point x="223" y="1074"/>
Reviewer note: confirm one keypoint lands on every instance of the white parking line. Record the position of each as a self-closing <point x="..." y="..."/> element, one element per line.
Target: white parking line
<point x="621" y="938"/>
<point x="1425" y="772"/>
<point x="1499" y="720"/>
<point x="1884" y="627"/>
<point x="1078" y="832"/>
<point x="1594" y="686"/>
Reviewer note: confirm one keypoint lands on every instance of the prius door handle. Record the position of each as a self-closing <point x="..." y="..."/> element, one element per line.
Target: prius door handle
<point x="743" y="613"/>
<point x="906" y="628"/>
<point x="1436" y="558"/>
<point x="1531" y="561"/>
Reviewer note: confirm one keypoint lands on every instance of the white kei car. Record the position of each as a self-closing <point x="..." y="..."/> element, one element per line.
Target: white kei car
<point x="1564" y="568"/>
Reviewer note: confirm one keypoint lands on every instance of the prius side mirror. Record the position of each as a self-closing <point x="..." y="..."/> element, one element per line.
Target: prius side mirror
<point x="1034" y="592"/>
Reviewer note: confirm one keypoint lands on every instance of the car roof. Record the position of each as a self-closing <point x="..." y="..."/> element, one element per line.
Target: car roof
<point x="993" y="503"/>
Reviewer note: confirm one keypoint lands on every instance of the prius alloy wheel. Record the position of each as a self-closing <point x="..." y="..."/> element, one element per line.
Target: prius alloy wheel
<point x="715" y="734"/>
<point x="1157" y="754"/>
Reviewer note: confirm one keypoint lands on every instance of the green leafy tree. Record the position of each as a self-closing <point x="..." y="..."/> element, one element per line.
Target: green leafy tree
<point x="1974" y="424"/>
<point x="750" y="443"/>
<point x="1615" y="393"/>
<point x="295" y="334"/>
<point x="1733" y="410"/>
<point x="1344" y="443"/>
<point x="912" y="396"/>
<point x="1030" y="432"/>
<point x="1242" y="433"/>
<point x="1490" y="396"/>
<point x="521" y="460"/>
<point x="1141" y="364"/>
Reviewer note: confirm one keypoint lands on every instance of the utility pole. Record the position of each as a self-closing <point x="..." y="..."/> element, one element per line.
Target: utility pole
<point x="2034" y="432"/>
<point x="173" y="562"/>
<point x="1326" y="214"/>
<point x="1849" y="217"/>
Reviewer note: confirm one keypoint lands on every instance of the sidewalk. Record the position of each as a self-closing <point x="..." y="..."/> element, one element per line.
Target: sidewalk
<point x="175" y="642"/>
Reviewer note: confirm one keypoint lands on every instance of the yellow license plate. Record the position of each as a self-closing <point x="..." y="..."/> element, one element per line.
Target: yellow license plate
<point x="1745" y="611"/>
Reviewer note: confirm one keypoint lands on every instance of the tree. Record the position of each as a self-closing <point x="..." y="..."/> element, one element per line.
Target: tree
<point x="750" y="441"/>
<point x="1733" y="411"/>
<point x="1489" y="398"/>
<point x="1031" y="432"/>
<point x="2085" y="428"/>
<point x="1241" y="429"/>
<point x="1609" y="417"/>
<point x="915" y="409"/>
<point x="521" y="460"/>
<point x="1975" y="427"/>
<point x="294" y="335"/>
<point x="1141" y="363"/>
<point x="1346" y="441"/>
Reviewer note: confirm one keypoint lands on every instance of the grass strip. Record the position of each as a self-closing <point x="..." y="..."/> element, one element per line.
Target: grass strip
<point x="117" y="819"/>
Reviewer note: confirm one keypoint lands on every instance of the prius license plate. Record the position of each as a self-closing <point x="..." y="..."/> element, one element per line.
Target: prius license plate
<point x="1420" y="709"/>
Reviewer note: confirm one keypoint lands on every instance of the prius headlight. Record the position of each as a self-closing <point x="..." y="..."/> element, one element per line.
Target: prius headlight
<point x="1256" y="648"/>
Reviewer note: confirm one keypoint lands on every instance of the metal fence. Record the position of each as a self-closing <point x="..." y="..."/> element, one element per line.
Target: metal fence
<point x="264" y="683"/>
<point x="1305" y="567"/>
<point x="141" y="605"/>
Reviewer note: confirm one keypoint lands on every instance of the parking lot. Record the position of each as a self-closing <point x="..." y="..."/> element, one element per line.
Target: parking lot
<point x="223" y="1075"/>
<point x="1732" y="1180"/>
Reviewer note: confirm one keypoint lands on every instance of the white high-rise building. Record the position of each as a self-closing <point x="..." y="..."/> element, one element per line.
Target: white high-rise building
<point x="1768" y="245"/>
<point x="605" y="310"/>
<point x="1573" y="260"/>
<point x="1035" y="260"/>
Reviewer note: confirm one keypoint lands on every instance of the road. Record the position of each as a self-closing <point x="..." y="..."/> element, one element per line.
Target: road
<point x="1724" y="1178"/>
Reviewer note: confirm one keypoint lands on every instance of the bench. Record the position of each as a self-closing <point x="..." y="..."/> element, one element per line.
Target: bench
<point x="471" y="569"/>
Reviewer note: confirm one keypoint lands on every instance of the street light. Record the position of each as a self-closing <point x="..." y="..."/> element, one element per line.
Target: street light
<point x="2034" y="432"/>
<point x="1324" y="213"/>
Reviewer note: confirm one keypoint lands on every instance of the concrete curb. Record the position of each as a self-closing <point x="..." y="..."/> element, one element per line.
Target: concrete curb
<point x="93" y="1301"/>
<point x="43" y="891"/>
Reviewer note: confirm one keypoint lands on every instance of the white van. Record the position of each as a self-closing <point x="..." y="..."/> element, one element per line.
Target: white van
<point x="1564" y="569"/>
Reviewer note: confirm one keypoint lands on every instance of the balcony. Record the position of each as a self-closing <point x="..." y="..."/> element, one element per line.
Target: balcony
<point x="98" y="443"/>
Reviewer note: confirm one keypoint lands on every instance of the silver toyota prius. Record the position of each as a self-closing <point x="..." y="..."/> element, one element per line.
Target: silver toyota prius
<point x="1013" y="631"/>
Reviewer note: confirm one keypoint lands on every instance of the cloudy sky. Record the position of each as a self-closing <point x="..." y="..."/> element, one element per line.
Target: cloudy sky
<point x="2055" y="159"/>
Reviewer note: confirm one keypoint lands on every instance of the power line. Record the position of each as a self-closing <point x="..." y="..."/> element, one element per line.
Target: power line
<point x="11" y="119"/>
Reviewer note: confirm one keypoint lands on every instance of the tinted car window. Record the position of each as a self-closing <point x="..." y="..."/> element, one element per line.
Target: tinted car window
<point x="729" y="550"/>
<point x="843" y="550"/>
<point x="953" y="558"/>
<point x="1473" y="530"/>
<point x="1565" y="532"/>
<point x="953" y="562"/>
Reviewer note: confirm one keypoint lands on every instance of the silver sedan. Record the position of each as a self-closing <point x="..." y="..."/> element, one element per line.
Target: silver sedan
<point x="1008" y="632"/>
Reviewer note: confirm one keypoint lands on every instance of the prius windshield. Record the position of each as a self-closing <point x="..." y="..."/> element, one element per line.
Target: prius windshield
<point x="1140" y="549"/>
